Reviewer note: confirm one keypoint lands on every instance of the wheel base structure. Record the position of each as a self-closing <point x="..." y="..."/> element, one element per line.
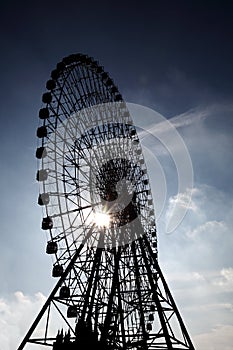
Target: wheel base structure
<point x="85" y="335"/>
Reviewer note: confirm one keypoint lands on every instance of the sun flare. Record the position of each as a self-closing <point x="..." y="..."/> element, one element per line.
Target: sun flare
<point x="102" y="219"/>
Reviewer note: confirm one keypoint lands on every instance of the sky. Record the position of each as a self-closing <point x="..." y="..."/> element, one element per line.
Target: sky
<point x="174" y="58"/>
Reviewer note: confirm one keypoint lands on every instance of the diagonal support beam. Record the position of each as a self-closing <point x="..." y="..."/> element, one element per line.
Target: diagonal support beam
<point x="137" y="276"/>
<point x="156" y="298"/>
<point x="182" y="326"/>
<point x="54" y="291"/>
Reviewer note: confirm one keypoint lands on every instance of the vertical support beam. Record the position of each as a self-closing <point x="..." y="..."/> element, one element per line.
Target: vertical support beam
<point x="121" y="313"/>
<point x="95" y="270"/>
<point x="47" y="322"/>
<point x="111" y="295"/>
<point x="91" y="305"/>
<point x="90" y="284"/>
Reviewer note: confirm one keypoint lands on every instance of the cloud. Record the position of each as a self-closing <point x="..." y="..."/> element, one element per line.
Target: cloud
<point x="225" y="279"/>
<point x="210" y="210"/>
<point x="161" y="125"/>
<point x="203" y="240"/>
<point x="199" y="114"/>
<point x="18" y="312"/>
<point x="186" y="276"/>
<point x="210" y="228"/>
<point x="16" y="316"/>
<point x="205" y="134"/>
<point x="197" y="262"/>
<point x="228" y="275"/>
<point x="203" y="303"/>
<point x="183" y="200"/>
<point x="194" y="116"/>
<point x="219" y="337"/>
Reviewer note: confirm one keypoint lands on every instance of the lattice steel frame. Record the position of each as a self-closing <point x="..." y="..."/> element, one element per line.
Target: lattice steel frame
<point x="114" y="285"/>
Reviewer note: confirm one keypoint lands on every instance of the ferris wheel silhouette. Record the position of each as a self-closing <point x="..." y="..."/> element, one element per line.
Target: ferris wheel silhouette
<point x="98" y="215"/>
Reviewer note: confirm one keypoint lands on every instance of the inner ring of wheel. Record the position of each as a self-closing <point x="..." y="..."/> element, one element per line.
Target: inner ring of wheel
<point x="115" y="172"/>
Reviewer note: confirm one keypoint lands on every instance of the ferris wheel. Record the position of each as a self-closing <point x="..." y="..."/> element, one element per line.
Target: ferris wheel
<point x="98" y="216"/>
<point x="89" y="147"/>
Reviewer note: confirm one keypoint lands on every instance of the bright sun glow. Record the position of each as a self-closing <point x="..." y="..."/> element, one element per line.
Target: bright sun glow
<point x="102" y="219"/>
